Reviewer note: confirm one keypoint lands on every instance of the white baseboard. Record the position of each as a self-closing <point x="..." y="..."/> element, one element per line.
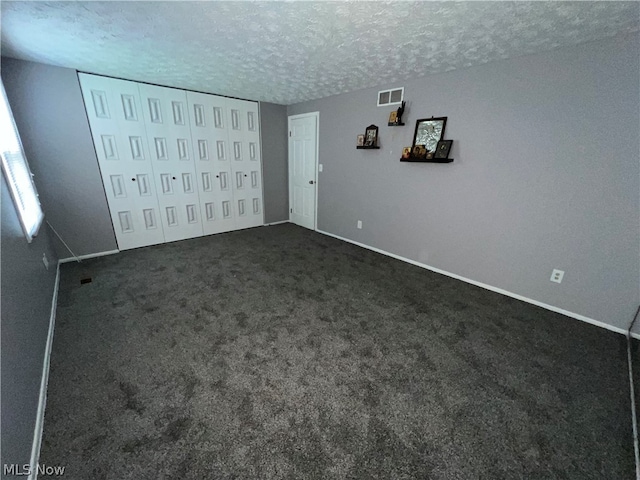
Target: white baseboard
<point x="546" y="306"/>
<point x="85" y="257"/>
<point x="276" y="223"/>
<point x="37" y="433"/>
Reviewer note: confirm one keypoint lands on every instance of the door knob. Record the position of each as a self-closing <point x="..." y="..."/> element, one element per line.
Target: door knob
<point x="310" y="182"/>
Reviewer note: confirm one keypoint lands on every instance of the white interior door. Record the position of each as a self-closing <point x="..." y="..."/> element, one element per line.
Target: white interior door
<point x="169" y="138"/>
<point x="303" y="160"/>
<point x="246" y="170"/>
<point x="209" y="121"/>
<point x="117" y="126"/>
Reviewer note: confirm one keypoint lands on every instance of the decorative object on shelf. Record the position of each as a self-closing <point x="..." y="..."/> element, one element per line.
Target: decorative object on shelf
<point x="360" y="141"/>
<point x="428" y="146"/>
<point x="399" y="113"/>
<point x="443" y="149"/>
<point x="371" y="136"/>
<point x="429" y="131"/>
<point x="418" y="151"/>
<point x="395" y="117"/>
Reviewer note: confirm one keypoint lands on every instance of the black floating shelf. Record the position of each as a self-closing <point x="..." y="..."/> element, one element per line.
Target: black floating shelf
<point x="395" y="124"/>
<point x="424" y="160"/>
<point x="362" y="147"/>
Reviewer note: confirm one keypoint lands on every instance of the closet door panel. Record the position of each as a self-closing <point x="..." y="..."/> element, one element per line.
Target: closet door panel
<point x="172" y="157"/>
<point x="212" y="153"/>
<point x="246" y="164"/>
<point x="117" y="127"/>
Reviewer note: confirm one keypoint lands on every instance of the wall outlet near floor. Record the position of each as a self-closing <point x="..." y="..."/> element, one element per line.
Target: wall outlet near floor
<point x="45" y="260"/>
<point x="360" y="224"/>
<point x="556" y="275"/>
<point x="320" y="167"/>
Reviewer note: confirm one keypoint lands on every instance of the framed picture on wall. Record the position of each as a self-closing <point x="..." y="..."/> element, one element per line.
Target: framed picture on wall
<point x="443" y="149"/>
<point x="360" y="140"/>
<point x="429" y="131"/>
<point x="371" y="136"/>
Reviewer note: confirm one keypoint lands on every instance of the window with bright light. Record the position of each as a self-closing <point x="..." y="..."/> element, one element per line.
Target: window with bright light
<point x="17" y="173"/>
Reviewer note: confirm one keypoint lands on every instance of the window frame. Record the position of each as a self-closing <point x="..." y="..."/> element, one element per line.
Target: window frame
<point x="30" y="229"/>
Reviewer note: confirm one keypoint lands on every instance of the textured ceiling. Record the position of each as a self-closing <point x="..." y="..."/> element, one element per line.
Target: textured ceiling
<point x="288" y="52"/>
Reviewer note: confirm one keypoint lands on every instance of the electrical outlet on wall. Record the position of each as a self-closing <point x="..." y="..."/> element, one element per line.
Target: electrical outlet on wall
<point x="360" y="224"/>
<point x="556" y="275"/>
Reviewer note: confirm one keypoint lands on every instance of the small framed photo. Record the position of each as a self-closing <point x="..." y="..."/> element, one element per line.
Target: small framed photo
<point x="443" y="148"/>
<point x="371" y="136"/>
<point x="419" y="151"/>
<point x="393" y="118"/>
<point x="406" y="152"/>
<point x="360" y="141"/>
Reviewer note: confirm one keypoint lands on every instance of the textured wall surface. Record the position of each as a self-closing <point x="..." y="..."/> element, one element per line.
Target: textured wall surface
<point x="287" y="52"/>
<point x="273" y="128"/>
<point x="47" y="105"/>
<point x="546" y="175"/>
<point x="26" y="292"/>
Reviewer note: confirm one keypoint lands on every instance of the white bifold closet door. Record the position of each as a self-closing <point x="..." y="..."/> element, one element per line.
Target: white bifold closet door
<point x="169" y="138"/>
<point x="244" y="143"/>
<point x="211" y="152"/>
<point x="226" y="139"/>
<point x="118" y="130"/>
<point x="174" y="164"/>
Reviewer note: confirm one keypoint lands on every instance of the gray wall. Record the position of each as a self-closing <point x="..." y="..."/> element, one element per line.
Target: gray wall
<point x="273" y="125"/>
<point x="546" y="175"/>
<point x="26" y="292"/>
<point x="47" y="105"/>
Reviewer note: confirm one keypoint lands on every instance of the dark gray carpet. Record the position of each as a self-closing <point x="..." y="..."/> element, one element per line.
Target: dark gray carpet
<point x="278" y="352"/>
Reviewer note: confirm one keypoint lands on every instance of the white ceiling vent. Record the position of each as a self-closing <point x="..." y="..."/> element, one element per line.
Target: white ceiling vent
<point x="390" y="97"/>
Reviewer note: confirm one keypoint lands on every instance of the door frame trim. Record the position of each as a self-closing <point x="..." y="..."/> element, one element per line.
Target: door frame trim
<point x="316" y="115"/>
